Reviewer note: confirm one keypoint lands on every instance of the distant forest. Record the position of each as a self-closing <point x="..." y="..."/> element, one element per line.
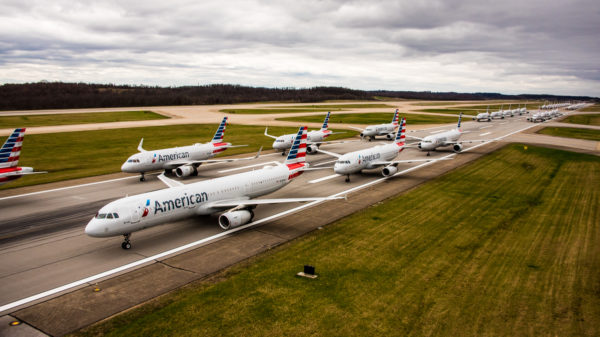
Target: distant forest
<point x="59" y="95"/>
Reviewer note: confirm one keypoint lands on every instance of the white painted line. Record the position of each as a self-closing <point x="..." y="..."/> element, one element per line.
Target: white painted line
<point x="485" y="127"/>
<point x="248" y="166"/>
<point x="503" y="123"/>
<point x="483" y="134"/>
<point x="437" y="131"/>
<point x="65" y="188"/>
<point x="327" y="162"/>
<point x="323" y="179"/>
<point x="231" y="231"/>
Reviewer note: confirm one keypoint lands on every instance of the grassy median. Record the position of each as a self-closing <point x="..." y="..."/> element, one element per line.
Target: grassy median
<point x="374" y="118"/>
<point x="80" y="154"/>
<point x="592" y="119"/>
<point x="25" y="120"/>
<point x="305" y="108"/>
<point x="507" y="246"/>
<point x="588" y="134"/>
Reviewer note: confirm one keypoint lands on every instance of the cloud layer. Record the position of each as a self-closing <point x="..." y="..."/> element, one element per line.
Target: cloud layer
<point x="468" y="46"/>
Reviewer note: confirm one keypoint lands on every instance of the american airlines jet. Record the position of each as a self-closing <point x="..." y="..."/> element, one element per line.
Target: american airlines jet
<point x="9" y="158"/>
<point x="380" y="155"/>
<point x="484" y="116"/>
<point x="315" y="138"/>
<point x="233" y="194"/>
<point x="430" y="143"/>
<point x="185" y="160"/>
<point x="381" y="129"/>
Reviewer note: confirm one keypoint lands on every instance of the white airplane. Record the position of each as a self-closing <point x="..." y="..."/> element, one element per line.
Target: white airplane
<point x="497" y="114"/>
<point x="233" y="194"/>
<point x="484" y="116"/>
<point x="509" y="112"/>
<point x="185" y="160"/>
<point x="380" y="155"/>
<point x="451" y="137"/>
<point x="315" y="138"/>
<point x="9" y="158"/>
<point x="381" y="129"/>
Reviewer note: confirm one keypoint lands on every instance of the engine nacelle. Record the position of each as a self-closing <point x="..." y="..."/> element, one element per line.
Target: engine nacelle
<point x="457" y="147"/>
<point x="185" y="170"/>
<point x="389" y="171"/>
<point x="312" y="149"/>
<point x="235" y="219"/>
<point x="390" y="136"/>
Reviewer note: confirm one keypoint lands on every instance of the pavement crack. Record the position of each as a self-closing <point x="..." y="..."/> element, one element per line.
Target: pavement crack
<point x="174" y="267"/>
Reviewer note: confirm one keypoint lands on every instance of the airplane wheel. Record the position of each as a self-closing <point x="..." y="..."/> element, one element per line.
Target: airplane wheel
<point x="126" y="245"/>
<point x="428" y="154"/>
<point x="142" y="179"/>
<point x="347" y="179"/>
<point x="283" y="153"/>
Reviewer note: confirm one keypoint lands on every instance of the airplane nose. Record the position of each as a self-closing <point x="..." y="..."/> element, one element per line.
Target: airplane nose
<point x="93" y="229"/>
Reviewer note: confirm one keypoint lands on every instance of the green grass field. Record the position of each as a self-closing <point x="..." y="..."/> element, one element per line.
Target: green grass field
<point x="455" y="111"/>
<point x="7" y="122"/>
<point x="583" y="119"/>
<point x="595" y="107"/>
<point x="72" y="155"/>
<point x="305" y="108"/>
<point x="373" y="118"/>
<point x="588" y="134"/>
<point x="472" y="253"/>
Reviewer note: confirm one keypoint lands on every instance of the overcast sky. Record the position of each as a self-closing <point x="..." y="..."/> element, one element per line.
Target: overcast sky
<point x="508" y="46"/>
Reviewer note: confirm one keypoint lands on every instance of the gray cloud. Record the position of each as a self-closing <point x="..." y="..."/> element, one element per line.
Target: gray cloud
<point x="510" y="46"/>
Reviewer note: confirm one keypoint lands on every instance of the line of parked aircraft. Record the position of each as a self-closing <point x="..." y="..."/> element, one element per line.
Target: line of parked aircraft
<point x="235" y="195"/>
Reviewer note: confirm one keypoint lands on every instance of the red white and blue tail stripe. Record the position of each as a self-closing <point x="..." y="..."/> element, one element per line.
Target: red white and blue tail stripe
<point x="296" y="159"/>
<point x="9" y="154"/>
<point x="218" y="138"/>
<point x="459" y="118"/>
<point x="395" y="119"/>
<point x="401" y="134"/>
<point x="324" y="127"/>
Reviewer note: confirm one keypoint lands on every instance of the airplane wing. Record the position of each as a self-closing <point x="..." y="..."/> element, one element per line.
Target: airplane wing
<point x="268" y="135"/>
<point x="176" y="164"/>
<point x="330" y="153"/>
<point x="335" y="142"/>
<point x="407" y="161"/>
<point x="468" y="141"/>
<point x="417" y="138"/>
<point x="355" y="128"/>
<point x="168" y="181"/>
<point x="241" y="203"/>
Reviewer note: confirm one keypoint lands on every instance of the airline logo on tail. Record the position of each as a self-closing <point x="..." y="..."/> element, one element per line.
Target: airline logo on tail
<point x="220" y="132"/>
<point x="9" y="154"/>
<point x="400" y="135"/>
<point x="395" y="119"/>
<point x="324" y="127"/>
<point x="296" y="158"/>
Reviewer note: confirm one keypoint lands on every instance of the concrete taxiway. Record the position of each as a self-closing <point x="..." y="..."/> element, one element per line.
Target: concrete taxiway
<point x="44" y="247"/>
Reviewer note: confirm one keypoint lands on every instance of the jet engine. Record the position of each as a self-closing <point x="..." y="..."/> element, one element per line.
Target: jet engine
<point x="312" y="149"/>
<point x="390" y="136"/>
<point x="457" y="148"/>
<point x="389" y="171"/>
<point x="185" y="170"/>
<point x="235" y="219"/>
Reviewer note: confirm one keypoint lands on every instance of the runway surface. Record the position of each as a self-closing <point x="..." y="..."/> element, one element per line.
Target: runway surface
<point x="44" y="247"/>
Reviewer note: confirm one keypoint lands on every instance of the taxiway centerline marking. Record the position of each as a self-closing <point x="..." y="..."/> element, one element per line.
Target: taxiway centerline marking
<point x="437" y="131"/>
<point x="485" y="127"/>
<point x="323" y="179"/>
<point x="483" y="134"/>
<point x="245" y="167"/>
<point x="327" y="162"/>
<point x="216" y="236"/>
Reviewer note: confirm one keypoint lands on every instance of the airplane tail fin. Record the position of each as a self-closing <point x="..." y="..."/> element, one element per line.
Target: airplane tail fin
<point x="401" y="134"/>
<point x="326" y="122"/>
<point x="9" y="154"/>
<point x="459" y="119"/>
<point x="218" y="138"/>
<point x="395" y="119"/>
<point x="297" y="152"/>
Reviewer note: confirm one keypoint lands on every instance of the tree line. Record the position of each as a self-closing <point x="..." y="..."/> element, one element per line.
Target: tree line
<point x="60" y="95"/>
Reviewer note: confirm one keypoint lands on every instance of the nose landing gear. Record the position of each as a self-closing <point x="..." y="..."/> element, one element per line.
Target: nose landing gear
<point x="347" y="178"/>
<point x="142" y="177"/>
<point x="126" y="244"/>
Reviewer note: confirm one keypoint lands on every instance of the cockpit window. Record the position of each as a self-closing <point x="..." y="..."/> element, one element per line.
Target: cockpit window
<point x="100" y="215"/>
<point x="109" y="216"/>
<point x="116" y="215"/>
<point x="133" y="160"/>
<point x="343" y="162"/>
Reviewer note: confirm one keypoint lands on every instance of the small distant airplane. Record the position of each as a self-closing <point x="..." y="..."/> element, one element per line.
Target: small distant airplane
<point x="234" y="194"/>
<point x="380" y="155"/>
<point x="430" y="143"/>
<point x="9" y="158"/>
<point x="381" y="129"/>
<point x="497" y="114"/>
<point x="185" y="160"/>
<point x="315" y="138"/>
<point x="483" y="116"/>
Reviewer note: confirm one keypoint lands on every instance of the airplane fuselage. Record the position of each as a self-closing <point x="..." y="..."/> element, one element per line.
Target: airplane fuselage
<point x="172" y="157"/>
<point x="378" y="130"/>
<point x="145" y="210"/>
<point x="483" y="116"/>
<point x="284" y="142"/>
<point x="356" y="161"/>
<point x="432" y="142"/>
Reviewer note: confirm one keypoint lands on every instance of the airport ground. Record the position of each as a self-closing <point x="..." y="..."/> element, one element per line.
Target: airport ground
<point x="56" y="252"/>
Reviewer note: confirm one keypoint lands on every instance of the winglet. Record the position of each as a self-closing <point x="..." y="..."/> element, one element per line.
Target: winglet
<point x="268" y="135"/>
<point x="140" y="148"/>
<point x="258" y="153"/>
<point x="168" y="181"/>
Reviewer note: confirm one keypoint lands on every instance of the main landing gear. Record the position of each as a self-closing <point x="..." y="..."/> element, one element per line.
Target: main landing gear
<point x="126" y="244"/>
<point x="283" y="153"/>
<point x="142" y="177"/>
<point x="347" y="178"/>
